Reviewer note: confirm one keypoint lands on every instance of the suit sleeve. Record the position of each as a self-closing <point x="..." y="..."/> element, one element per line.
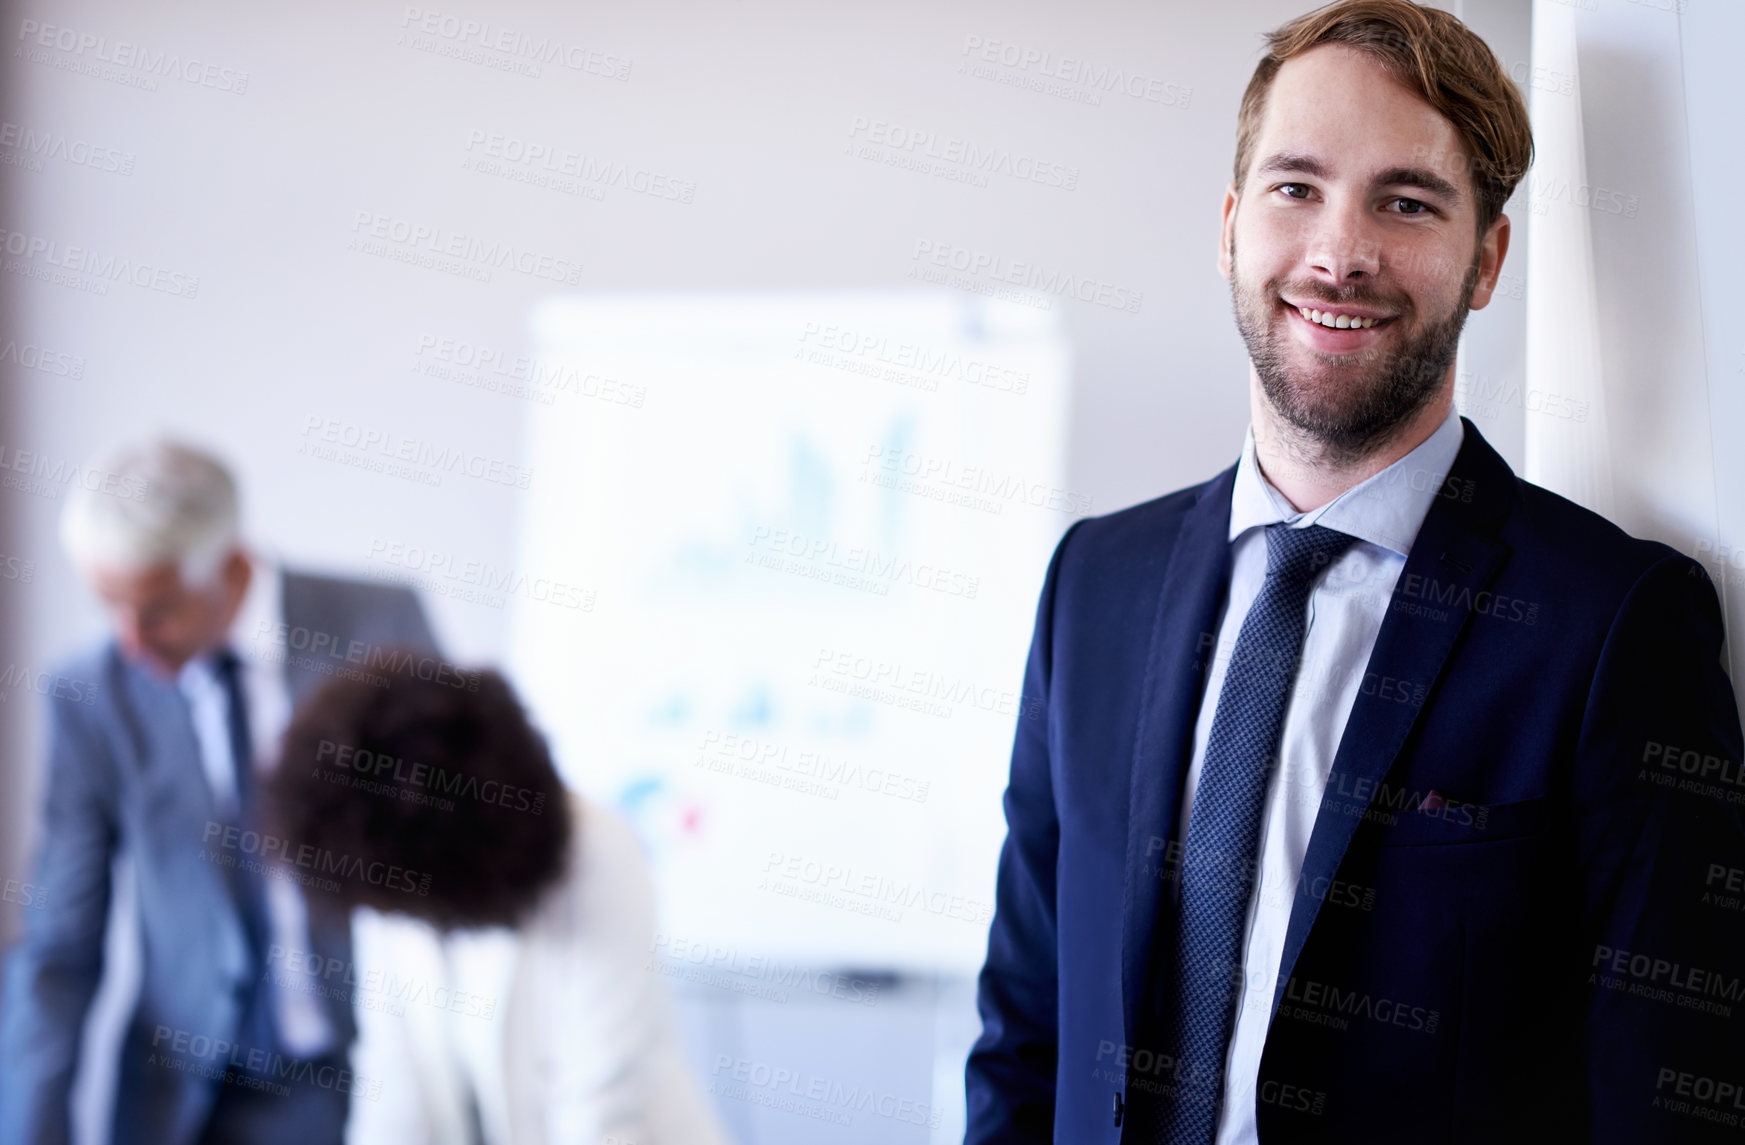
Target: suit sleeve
<point x="53" y="971"/>
<point x="1660" y="832"/>
<point x="1010" y="1077"/>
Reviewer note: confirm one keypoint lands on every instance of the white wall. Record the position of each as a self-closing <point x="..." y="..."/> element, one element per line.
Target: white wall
<point x="1710" y="37"/>
<point x="1658" y="92"/>
<point x="1646" y="247"/>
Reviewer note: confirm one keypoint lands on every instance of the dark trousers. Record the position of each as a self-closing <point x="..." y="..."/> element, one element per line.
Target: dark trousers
<point x="301" y="1102"/>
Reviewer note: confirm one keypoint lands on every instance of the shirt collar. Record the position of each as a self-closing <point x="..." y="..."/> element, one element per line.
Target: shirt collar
<point x="198" y="674"/>
<point x="1386" y="509"/>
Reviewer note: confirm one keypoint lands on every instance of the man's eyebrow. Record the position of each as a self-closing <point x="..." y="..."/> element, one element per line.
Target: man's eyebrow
<point x="1420" y="178"/>
<point x="1291" y="161"/>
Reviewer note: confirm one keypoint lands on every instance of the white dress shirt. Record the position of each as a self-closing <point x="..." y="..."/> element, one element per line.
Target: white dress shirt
<point x="1346" y="610"/>
<point x="303" y="1028"/>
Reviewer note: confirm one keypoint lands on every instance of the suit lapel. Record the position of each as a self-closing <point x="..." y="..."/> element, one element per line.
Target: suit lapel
<point x="1181" y="645"/>
<point x="178" y="809"/>
<point x="173" y="780"/>
<point x="1454" y="556"/>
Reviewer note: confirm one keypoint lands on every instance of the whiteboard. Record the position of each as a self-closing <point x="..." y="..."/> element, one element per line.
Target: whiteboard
<point x="799" y="539"/>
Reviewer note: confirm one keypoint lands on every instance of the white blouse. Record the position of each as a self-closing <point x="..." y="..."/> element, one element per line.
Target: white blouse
<point x="559" y="1031"/>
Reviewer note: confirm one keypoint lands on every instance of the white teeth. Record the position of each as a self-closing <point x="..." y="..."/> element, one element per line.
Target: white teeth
<point x="1336" y="322"/>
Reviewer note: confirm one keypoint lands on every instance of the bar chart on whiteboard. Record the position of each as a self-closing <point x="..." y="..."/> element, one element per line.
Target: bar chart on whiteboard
<point x="800" y="539"/>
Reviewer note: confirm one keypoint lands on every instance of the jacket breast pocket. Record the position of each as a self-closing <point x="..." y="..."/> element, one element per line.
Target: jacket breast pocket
<point x="1463" y="823"/>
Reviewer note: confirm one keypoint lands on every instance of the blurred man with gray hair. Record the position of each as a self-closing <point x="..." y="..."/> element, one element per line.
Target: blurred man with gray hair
<point x="241" y="1029"/>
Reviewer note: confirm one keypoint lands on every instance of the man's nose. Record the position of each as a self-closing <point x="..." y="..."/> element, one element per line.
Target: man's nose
<point x="1344" y="248"/>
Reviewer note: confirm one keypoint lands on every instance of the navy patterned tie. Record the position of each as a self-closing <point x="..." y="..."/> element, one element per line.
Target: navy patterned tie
<point x="1202" y="953"/>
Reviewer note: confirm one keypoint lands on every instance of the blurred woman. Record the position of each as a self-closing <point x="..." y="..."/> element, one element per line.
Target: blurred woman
<point x="502" y="971"/>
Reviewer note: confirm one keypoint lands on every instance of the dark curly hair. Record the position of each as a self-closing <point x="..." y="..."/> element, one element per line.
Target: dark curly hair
<point x="429" y="797"/>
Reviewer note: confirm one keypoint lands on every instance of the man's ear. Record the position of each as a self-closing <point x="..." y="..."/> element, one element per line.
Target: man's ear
<point x="1227" y="230"/>
<point x="1490" y="262"/>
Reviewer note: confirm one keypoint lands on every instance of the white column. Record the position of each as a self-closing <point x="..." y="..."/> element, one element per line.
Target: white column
<point x="1564" y="454"/>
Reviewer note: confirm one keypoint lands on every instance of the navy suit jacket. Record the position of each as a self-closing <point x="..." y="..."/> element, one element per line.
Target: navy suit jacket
<point x="124" y="776"/>
<point x="1547" y="956"/>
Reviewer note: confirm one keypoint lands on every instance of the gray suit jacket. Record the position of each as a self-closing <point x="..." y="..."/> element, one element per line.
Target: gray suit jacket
<point x="124" y="773"/>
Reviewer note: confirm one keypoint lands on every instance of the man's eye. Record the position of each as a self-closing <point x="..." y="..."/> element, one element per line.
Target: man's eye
<point x="1409" y="206"/>
<point x="1295" y="190"/>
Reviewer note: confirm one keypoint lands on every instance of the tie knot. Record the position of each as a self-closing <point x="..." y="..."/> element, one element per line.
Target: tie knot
<point x="226" y="662"/>
<point x="1299" y="555"/>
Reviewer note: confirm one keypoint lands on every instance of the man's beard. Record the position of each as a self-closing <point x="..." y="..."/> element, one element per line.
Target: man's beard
<point x="1352" y="405"/>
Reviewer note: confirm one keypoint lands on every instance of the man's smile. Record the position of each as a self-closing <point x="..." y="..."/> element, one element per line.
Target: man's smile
<point x="1338" y="329"/>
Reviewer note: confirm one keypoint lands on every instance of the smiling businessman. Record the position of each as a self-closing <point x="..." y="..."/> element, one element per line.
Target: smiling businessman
<point x="1374" y="794"/>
